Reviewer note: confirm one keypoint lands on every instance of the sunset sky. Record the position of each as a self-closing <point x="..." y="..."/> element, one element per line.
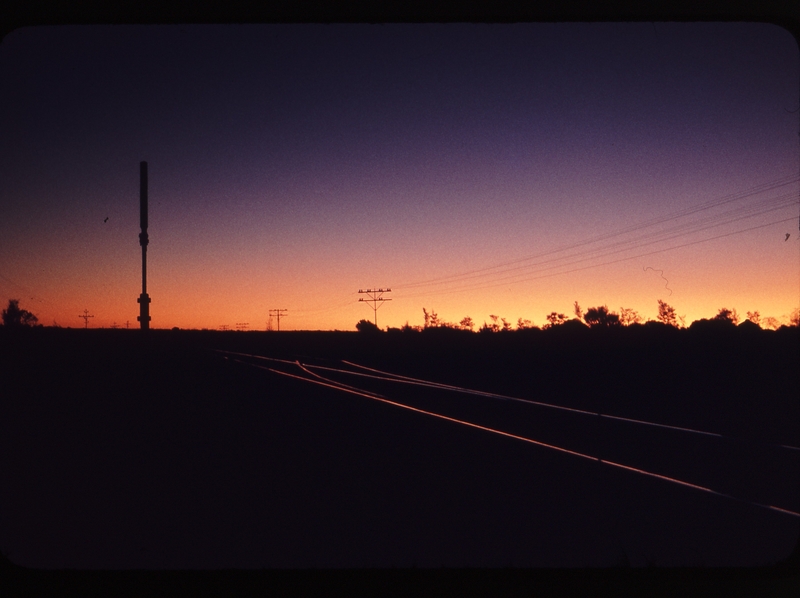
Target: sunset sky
<point x="473" y="169"/>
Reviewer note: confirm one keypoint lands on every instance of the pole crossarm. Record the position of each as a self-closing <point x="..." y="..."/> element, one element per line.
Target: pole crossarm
<point x="86" y="317"/>
<point x="278" y="312"/>
<point x="374" y="296"/>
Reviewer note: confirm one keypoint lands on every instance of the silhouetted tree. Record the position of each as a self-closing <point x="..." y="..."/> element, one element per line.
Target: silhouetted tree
<point x="794" y="317"/>
<point x="600" y="317"/>
<point x="578" y="311"/>
<point x="366" y="326"/>
<point x="431" y="319"/>
<point x="467" y="324"/>
<point x="15" y="317"/>
<point x="770" y="323"/>
<point x="754" y="317"/>
<point x="666" y="314"/>
<point x="555" y="319"/>
<point x="629" y="316"/>
<point x="495" y="327"/>
<point x="727" y="315"/>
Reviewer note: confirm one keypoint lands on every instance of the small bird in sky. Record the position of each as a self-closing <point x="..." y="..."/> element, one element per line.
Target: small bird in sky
<point x="787" y="237"/>
<point x="106" y="220"/>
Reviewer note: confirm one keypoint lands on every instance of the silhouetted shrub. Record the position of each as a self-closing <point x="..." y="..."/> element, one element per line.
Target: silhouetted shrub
<point x="572" y="325"/>
<point x="555" y="319"/>
<point x="749" y="326"/>
<point x="467" y="324"/>
<point x="366" y="326"/>
<point x="600" y="317"/>
<point x="629" y="317"/>
<point x="431" y="319"/>
<point x="443" y="330"/>
<point x="727" y="315"/>
<point x="524" y="324"/>
<point x="713" y="325"/>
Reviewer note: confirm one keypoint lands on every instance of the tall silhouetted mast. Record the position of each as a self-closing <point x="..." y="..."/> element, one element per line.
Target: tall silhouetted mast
<point x="143" y="300"/>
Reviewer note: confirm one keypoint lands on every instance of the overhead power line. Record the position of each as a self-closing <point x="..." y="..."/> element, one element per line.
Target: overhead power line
<point x="524" y="269"/>
<point x="682" y="230"/>
<point x="529" y="278"/>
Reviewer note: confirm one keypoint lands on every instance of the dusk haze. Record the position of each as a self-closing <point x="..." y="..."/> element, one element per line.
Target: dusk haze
<point x="473" y="169"/>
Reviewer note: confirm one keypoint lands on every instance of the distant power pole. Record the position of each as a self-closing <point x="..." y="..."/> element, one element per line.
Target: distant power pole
<point x="278" y="313"/>
<point x="86" y="317"/>
<point x="242" y="326"/>
<point x="223" y="326"/>
<point x="375" y="296"/>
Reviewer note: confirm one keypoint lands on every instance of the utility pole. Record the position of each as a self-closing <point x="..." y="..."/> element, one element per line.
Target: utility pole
<point x="223" y="327"/>
<point x="279" y="313"/>
<point x="86" y="317"/>
<point x="375" y="296"/>
<point x="240" y="326"/>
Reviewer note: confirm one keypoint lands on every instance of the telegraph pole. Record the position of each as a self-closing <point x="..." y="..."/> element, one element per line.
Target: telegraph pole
<point x="86" y="317"/>
<point x="279" y="313"/>
<point x="240" y="326"/>
<point x="375" y="296"/>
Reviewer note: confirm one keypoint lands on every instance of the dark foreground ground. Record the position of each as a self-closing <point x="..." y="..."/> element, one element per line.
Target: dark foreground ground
<point x="130" y="453"/>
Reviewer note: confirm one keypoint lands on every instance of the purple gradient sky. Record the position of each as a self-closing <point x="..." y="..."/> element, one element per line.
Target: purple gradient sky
<point x="291" y="165"/>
